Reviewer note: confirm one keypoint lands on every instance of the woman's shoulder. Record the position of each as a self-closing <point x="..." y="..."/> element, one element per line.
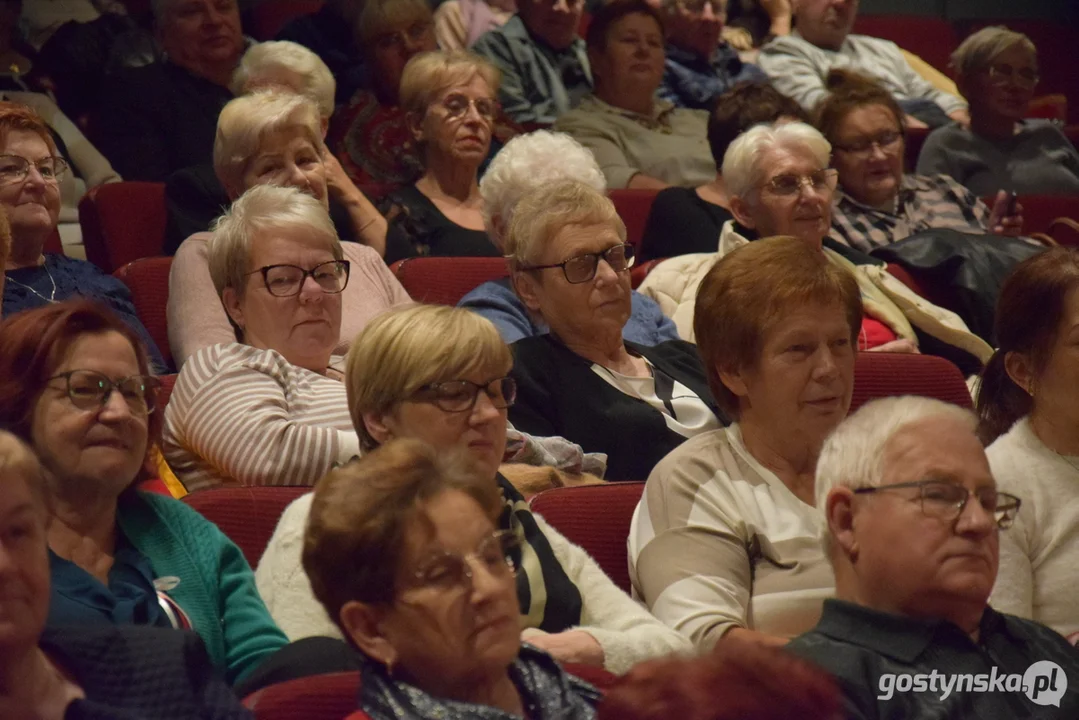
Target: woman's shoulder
<point x="1015" y="455"/>
<point x="188" y="525"/>
<point x="694" y="463"/>
<point x="57" y="262"/>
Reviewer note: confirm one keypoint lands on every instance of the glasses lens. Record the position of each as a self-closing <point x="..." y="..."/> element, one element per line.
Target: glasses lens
<point x="140" y="393"/>
<point x="87" y="389"/>
<point x="581" y="268"/>
<point x="619" y="257"/>
<point x="455" y="395"/>
<point x="444" y="571"/>
<point x="456" y="106"/>
<point x="942" y="499"/>
<point x="331" y="277"/>
<point x="284" y="280"/>
<point x="507" y="392"/>
<point x="786" y="184"/>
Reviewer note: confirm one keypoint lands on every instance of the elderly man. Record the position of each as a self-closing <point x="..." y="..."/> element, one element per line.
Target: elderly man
<point x="545" y="69"/>
<point x="527" y="163"/>
<point x="159" y="118"/>
<point x="913" y="515"/>
<point x="799" y="63"/>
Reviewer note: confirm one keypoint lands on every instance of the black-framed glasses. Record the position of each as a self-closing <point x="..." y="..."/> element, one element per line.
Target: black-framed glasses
<point x="1004" y="73"/>
<point x="456" y="106"/>
<point x="789" y="184"/>
<point x="91" y="390"/>
<point x="887" y="141"/>
<point x="288" y="280"/>
<point x="456" y="396"/>
<point x="15" y="168"/>
<point x="582" y="268"/>
<point x="449" y="570"/>
<point x="946" y="500"/>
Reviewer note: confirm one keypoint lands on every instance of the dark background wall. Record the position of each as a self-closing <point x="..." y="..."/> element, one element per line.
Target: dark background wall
<point x="1062" y="10"/>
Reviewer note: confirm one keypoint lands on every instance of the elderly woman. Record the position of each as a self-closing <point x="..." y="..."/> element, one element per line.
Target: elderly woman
<point x="275" y="139"/>
<point x="119" y="556"/>
<point x="878" y="203"/>
<point x="780" y="184"/>
<point x="583" y="381"/>
<point x="371" y="135"/>
<point x="726" y="541"/>
<point x="31" y="175"/>
<point x="450" y="105"/>
<point x="428" y="591"/>
<point x="1027" y="404"/>
<point x="266" y="408"/>
<point x="441" y="375"/>
<point x="639" y="141"/>
<point x="285" y="65"/>
<point x="1001" y="150"/>
<point x="527" y="163"/>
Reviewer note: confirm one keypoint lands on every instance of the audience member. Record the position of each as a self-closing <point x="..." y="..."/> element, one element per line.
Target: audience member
<point x="286" y="66"/>
<point x="527" y="163"/>
<point x="639" y="141"/>
<point x="31" y="173"/>
<point x="780" y="184"/>
<point x="273" y="139"/>
<point x="460" y="23"/>
<point x="159" y="118"/>
<point x="822" y="41"/>
<point x="427" y="591"/>
<point x="449" y="101"/>
<point x="1001" y="150"/>
<point x="329" y="32"/>
<point x="879" y="204"/>
<point x="83" y="672"/>
<point x="545" y="69"/>
<point x="119" y="556"/>
<point x="778" y="327"/>
<point x="912" y="517"/>
<point x="700" y="65"/>
<point x="583" y="381"/>
<point x="1028" y="414"/>
<point x="688" y="220"/>
<point x="266" y="408"/>
<point x="439" y="375"/>
<point x="752" y="23"/>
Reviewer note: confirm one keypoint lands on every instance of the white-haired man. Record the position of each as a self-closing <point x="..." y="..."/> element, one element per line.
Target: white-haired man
<point x="527" y="163"/>
<point x="912" y="520"/>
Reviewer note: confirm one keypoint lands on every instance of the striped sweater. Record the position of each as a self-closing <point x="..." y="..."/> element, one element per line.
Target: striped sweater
<point x="244" y="416"/>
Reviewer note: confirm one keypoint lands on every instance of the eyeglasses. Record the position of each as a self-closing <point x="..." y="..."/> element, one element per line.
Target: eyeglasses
<point x="15" y="168"/>
<point x="455" y="396"/>
<point x="288" y="280"/>
<point x="582" y="268"/>
<point x="888" y="142"/>
<point x="91" y="390"/>
<point x="1003" y="74"/>
<point x="449" y="570"/>
<point x="414" y="34"/>
<point x="789" y="184"/>
<point x="457" y="105"/>
<point x="946" y="500"/>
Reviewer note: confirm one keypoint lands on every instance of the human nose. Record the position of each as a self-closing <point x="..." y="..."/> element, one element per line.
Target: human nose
<point x="483" y="410"/>
<point x="310" y="290"/>
<point x="115" y="407"/>
<point x="974" y="519"/>
<point x="826" y="368"/>
<point x="561" y="6"/>
<point x="485" y="583"/>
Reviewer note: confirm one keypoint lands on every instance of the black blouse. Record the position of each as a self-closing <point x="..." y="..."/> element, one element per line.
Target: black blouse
<point x="681" y="222"/>
<point x="418" y="228"/>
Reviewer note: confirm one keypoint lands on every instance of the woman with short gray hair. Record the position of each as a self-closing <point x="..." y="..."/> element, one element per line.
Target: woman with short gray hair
<point x="284" y="65"/>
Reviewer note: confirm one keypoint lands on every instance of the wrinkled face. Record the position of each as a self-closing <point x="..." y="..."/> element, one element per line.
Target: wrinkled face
<point x="447" y="633"/>
<point x="305" y="327"/>
<point x="1055" y="387"/>
<point x="806" y="214"/>
<point x="102" y="447"/>
<point x="869" y="155"/>
<point x="288" y="158"/>
<point x="1005" y="88"/>
<point x="32" y="203"/>
<point x="633" y="56"/>
<point x="801" y="385"/>
<point x="825" y="23"/>
<point x="391" y="50"/>
<point x="552" y="21"/>
<point x="697" y="25"/>
<point x="200" y="33"/>
<point x="459" y="122"/>
<point x="912" y="563"/>
<point x="24" y="565"/>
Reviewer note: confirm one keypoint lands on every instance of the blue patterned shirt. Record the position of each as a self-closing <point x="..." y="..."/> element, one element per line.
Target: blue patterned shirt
<point x="690" y="81"/>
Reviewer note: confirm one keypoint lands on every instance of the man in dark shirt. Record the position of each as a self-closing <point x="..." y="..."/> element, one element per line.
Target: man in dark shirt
<point x="913" y="517"/>
<point x="330" y="34"/>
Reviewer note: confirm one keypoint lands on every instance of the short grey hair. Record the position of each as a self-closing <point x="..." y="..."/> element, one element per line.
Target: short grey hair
<point x="528" y="162"/>
<point x="263" y="62"/>
<point x="544" y="212"/>
<point x="263" y="208"/>
<point x="979" y="50"/>
<point x="742" y="168"/>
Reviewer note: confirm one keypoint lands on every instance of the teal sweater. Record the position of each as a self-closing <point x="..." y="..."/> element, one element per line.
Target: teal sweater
<point x="216" y="588"/>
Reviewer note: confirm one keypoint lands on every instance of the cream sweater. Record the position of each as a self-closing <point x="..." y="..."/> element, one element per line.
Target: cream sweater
<point x="1039" y="554"/>
<point x="625" y="630"/>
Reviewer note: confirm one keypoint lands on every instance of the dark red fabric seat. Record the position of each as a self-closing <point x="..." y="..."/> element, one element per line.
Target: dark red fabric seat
<point x="633" y="207"/>
<point x="122" y="222"/>
<point x="148" y="281"/>
<point x="445" y="280"/>
<point x="247" y="515"/>
<point x="878" y="375"/>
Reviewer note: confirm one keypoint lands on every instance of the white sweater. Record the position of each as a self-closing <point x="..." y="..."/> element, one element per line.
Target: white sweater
<point x="1039" y="554"/>
<point x="626" y="631"/>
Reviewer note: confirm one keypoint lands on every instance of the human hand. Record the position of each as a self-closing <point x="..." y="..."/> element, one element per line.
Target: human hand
<point x="912" y="122"/>
<point x="1006" y="218"/>
<point x="569" y="646"/>
<point x="338" y="182"/>
<point x="902" y="345"/>
<point x="962" y="117"/>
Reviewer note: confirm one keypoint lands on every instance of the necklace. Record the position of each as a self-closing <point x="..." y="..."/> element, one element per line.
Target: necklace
<point x="52" y="296"/>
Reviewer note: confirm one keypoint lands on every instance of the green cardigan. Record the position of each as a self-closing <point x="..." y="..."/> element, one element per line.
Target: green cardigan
<point x="216" y="586"/>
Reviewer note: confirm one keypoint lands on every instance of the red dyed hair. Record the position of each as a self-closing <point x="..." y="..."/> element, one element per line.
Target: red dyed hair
<point x="16" y="116"/>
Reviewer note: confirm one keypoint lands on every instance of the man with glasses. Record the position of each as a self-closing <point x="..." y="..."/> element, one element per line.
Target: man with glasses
<point x="911" y="523"/>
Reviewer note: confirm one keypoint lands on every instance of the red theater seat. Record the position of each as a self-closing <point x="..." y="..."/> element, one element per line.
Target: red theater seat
<point x="878" y="375"/>
<point x="122" y="222"/>
<point x="633" y="207"/>
<point x="247" y="515"/>
<point x="445" y="280"/>
<point x="148" y="280"/>
<point x="270" y="16"/>
<point x="931" y="38"/>
<point x="332" y="696"/>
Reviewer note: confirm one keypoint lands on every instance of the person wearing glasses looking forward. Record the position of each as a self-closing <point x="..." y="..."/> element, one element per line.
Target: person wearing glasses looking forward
<point x="912" y="525"/>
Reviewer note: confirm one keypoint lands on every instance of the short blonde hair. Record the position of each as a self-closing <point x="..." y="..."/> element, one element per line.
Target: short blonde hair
<point x="262" y="208"/>
<point x="742" y="167"/>
<point x="264" y="61"/>
<point x="979" y="50"/>
<point x="429" y="73"/>
<point x="543" y="213"/>
<point x="379" y="16"/>
<point x="404" y="349"/>
<point x="244" y="124"/>
<point x="16" y="458"/>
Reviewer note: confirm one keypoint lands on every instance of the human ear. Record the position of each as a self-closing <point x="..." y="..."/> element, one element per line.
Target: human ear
<point x="1021" y="371"/>
<point x="231" y="300"/>
<point x="734" y="381"/>
<point x="363" y="624"/>
<point x="740" y="210"/>
<point x="527" y="288"/>
<point x="415" y="125"/>
<point x="378" y="427"/>
<point x="839" y="514"/>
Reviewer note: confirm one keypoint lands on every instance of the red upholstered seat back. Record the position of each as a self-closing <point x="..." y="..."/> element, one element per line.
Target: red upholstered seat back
<point x="597" y="518"/>
<point x="878" y="375"/>
<point x="931" y="38"/>
<point x="168" y="382"/>
<point x="269" y="17"/>
<point x="148" y="280"/>
<point x="247" y="515"/>
<point x="332" y="696"/>
<point x="633" y="207"/>
<point x="445" y="280"/>
<point x="122" y="222"/>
